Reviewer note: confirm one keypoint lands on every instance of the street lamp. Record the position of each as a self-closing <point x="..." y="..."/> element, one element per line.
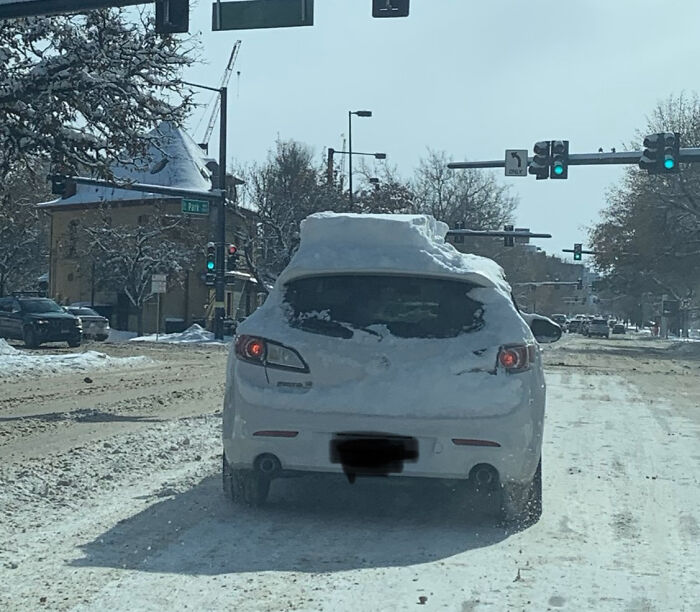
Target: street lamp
<point x="359" y="113"/>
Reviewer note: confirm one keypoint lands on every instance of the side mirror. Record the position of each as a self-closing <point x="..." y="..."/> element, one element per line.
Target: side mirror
<point x="545" y="330"/>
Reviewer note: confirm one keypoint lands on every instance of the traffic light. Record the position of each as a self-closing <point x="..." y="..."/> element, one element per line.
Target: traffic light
<point x="508" y="241"/>
<point x="390" y="8"/>
<point x="539" y="166"/>
<point x="231" y="257"/>
<point x="172" y="16"/>
<point x="60" y="185"/>
<point x="560" y="159"/>
<point x="578" y="247"/>
<point x="459" y="225"/>
<point x="579" y="284"/>
<point x="651" y="156"/>
<point x="672" y="150"/>
<point x="211" y="257"/>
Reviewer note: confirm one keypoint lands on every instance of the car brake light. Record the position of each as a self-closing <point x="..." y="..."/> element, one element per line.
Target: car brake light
<point x="517" y="358"/>
<point x="268" y="353"/>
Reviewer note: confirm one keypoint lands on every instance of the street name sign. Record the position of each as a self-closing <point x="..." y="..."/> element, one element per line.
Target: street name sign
<point x="195" y="207"/>
<point x="516" y="162"/>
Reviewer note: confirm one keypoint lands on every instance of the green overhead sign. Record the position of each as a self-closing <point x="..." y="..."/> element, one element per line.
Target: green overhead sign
<point x="195" y="207"/>
<point x="257" y="14"/>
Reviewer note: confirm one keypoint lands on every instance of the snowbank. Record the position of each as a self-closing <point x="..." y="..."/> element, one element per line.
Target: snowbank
<point x="14" y="363"/>
<point x="116" y="336"/>
<point x="192" y="335"/>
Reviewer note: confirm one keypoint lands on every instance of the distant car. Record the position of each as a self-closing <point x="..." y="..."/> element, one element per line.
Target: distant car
<point x="612" y="323"/>
<point x="598" y="327"/>
<point x="584" y="327"/>
<point x="559" y="319"/>
<point x="37" y="320"/>
<point x="618" y="328"/>
<point x="574" y="326"/>
<point x="94" y="325"/>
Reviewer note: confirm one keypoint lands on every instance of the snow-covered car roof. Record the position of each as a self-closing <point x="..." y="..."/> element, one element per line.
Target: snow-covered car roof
<point x="388" y="244"/>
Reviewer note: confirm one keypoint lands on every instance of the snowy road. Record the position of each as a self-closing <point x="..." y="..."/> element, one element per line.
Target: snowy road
<point x="111" y="499"/>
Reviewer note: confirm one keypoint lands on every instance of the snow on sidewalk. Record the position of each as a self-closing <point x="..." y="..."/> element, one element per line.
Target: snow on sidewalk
<point x="192" y="335"/>
<point x="15" y="363"/>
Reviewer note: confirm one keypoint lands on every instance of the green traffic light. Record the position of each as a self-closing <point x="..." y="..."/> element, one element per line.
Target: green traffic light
<point x="558" y="169"/>
<point x="669" y="164"/>
<point x="210" y="265"/>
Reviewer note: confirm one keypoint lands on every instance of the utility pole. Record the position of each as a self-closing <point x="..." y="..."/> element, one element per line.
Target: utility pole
<point x="350" y="157"/>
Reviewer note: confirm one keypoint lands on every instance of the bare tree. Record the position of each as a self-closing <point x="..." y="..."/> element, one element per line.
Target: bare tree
<point x="76" y="90"/>
<point x="126" y="256"/>
<point x="473" y="197"/>
<point x="23" y="243"/>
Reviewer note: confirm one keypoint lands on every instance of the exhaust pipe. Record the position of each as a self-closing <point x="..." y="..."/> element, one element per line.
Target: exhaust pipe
<point x="485" y="475"/>
<point x="268" y="464"/>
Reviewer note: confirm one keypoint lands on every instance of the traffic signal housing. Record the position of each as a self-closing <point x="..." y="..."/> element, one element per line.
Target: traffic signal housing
<point x="560" y="160"/>
<point x="172" y="16"/>
<point x="231" y="257"/>
<point x="578" y="255"/>
<point x="672" y="150"/>
<point x="61" y="185"/>
<point x="539" y="166"/>
<point x="508" y="241"/>
<point x="579" y="284"/>
<point x="211" y="257"/>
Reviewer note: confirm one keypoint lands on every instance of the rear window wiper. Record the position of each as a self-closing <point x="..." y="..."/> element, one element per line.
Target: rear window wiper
<point x="321" y="326"/>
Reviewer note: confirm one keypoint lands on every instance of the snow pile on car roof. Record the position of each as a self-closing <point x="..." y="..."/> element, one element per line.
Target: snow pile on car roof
<point x="385" y="243"/>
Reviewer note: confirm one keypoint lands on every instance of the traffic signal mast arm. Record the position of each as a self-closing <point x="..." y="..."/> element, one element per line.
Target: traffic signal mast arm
<point x="689" y="156"/>
<point x="495" y="233"/>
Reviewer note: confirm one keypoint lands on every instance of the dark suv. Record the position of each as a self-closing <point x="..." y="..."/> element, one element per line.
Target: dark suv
<point x="37" y="320"/>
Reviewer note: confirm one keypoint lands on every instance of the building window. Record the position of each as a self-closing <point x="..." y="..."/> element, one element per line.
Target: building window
<point x="144" y="219"/>
<point x="73" y="238"/>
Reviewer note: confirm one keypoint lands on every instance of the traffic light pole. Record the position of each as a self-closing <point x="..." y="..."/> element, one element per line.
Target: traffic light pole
<point x="688" y="156"/>
<point x="219" y="310"/>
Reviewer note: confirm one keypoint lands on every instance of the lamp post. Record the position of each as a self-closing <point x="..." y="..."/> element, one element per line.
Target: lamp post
<point x="360" y="113"/>
<point x="220" y="278"/>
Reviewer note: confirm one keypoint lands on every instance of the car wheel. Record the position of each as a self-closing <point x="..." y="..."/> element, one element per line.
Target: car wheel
<point x="74" y="342"/>
<point x="30" y="340"/>
<point x="246" y="486"/>
<point x="521" y="505"/>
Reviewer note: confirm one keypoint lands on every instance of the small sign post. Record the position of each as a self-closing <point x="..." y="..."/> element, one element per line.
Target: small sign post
<point x="158" y="285"/>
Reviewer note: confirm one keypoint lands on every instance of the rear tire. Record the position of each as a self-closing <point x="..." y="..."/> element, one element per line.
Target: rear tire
<point x="74" y="342"/>
<point x="521" y="505"/>
<point x="30" y="340"/>
<point x="247" y="486"/>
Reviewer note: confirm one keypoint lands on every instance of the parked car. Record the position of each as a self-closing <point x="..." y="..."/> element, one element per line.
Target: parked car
<point x="618" y="328"/>
<point x="559" y="319"/>
<point x="598" y="327"/>
<point x="37" y="320"/>
<point x="379" y="345"/>
<point x="574" y="325"/>
<point x="94" y="325"/>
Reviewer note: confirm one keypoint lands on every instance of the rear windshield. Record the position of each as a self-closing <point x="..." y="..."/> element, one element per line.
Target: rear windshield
<point x="408" y="307"/>
<point x="40" y="305"/>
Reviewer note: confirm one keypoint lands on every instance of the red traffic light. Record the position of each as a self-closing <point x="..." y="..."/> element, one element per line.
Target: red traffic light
<point x="232" y="250"/>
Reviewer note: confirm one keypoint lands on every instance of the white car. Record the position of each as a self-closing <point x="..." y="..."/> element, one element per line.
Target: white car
<point x="383" y="350"/>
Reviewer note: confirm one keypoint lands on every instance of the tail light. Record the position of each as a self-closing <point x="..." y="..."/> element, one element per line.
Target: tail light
<point x="261" y="351"/>
<point x="517" y="358"/>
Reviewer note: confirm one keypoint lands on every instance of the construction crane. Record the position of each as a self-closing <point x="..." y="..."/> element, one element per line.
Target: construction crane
<point x="217" y="102"/>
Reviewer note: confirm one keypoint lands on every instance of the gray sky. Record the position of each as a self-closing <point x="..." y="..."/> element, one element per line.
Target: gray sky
<point x="463" y="76"/>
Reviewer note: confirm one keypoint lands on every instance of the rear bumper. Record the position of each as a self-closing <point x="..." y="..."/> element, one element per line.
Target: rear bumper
<point x="518" y="435"/>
